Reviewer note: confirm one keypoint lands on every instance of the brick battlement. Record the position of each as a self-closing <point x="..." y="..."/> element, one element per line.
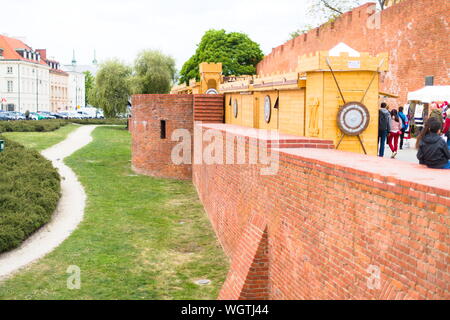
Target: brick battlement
<point x="330" y="225"/>
<point x="412" y="32"/>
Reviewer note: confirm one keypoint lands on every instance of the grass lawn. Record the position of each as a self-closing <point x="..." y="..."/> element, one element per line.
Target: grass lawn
<point x="142" y="238"/>
<point x="41" y="140"/>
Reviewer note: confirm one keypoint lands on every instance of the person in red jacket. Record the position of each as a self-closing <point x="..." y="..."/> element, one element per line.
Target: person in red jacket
<point x="446" y="130"/>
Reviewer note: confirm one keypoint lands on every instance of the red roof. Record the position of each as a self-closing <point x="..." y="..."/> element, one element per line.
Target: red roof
<point x="9" y="46"/>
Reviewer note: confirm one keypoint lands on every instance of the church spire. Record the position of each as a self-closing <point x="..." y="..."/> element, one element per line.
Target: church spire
<point x="74" y="61"/>
<point x="95" y="62"/>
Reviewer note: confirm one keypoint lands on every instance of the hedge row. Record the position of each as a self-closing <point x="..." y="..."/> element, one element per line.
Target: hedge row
<point x="29" y="193"/>
<point x="111" y="121"/>
<point x="51" y="125"/>
<point x="31" y="125"/>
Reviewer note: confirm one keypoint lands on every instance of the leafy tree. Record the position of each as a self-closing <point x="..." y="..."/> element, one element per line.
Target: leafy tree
<point x="154" y="72"/>
<point x="112" y="88"/>
<point x="238" y="54"/>
<point x="88" y="84"/>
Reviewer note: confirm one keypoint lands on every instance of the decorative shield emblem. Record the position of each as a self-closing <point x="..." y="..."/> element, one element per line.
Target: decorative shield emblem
<point x="235" y="108"/>
<point x="267" y="109"/>
<point x="212" y="91"/>
<point x="353" y="118"/>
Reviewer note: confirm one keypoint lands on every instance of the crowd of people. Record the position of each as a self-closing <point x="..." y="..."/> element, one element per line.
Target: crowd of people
<point x="433" y="139"/>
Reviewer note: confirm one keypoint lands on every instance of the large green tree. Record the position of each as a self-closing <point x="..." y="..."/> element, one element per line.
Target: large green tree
<point x="88" y="85"/>
<point x="154" y="72"/>
<point x="238" y="54"/>
<point x="112" y="88"/>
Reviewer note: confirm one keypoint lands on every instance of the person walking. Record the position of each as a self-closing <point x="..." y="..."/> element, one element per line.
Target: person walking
<point x="405" y="124"/>
<point x="384" y="126"/>
<point x="394" y="135"/>
<point x="446" y="130"/>
<point x="433" y="151"/>
<point x="436" y="112"/>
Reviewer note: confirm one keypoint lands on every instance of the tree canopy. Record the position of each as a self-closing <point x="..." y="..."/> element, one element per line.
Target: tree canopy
<point x="154" y="72"/>
<point x="238" y="54"/>
<point x="112" y="88"/>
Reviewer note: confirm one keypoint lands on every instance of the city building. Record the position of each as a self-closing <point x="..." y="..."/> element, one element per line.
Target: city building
<point x="24" y="77"/>
<point x="77" y="94"/>
<point x="76" y="89"/>
<point x="59" y="84"/>
<point x="81" y="68"/>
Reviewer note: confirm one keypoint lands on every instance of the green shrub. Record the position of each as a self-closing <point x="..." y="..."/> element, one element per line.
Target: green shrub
<point x="52" y="125"/>
<point x="29" y="193"/>
<point x="31" y="125"/>
<point x="110" y="121"/>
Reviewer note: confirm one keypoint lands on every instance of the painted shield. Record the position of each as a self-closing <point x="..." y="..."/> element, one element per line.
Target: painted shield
<point x="353" y="118"/>
<point x="267" y="109"/>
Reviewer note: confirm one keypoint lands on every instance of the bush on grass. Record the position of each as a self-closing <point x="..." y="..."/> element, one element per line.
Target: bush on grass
<point x="29" y="193"/>
<point x="110" y="121"/>
<point x="52" y="125"/>
<point x="31" y="125"/>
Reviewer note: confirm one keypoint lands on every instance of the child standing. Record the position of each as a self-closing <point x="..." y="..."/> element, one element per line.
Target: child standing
<point x="433" y="151"/>
<point x="396" y="130"/>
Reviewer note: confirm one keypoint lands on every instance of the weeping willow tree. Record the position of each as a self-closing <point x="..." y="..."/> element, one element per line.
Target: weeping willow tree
<point x="112" y="88"/>
<point x="154" y="72"/>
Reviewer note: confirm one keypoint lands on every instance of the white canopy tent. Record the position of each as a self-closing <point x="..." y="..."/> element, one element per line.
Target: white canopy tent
<point x="430" y="94"/>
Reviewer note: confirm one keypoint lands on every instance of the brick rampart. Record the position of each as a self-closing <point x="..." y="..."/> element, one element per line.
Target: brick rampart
<point x="151" y="154"/>
<point x="329" y="225"/>
<point x="413" y="32"/>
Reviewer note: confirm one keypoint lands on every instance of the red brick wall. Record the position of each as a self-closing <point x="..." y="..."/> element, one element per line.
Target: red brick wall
<point x="414" y="32"/>
<point x="209" y="108"/>
<point x="318" y="228"/>
<point x="151" y="155"/>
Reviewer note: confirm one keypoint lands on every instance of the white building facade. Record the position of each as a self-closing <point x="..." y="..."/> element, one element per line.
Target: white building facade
<point x="76" y="90"/>
<point x="59" y="84"/>
<point x="24" y="77"/>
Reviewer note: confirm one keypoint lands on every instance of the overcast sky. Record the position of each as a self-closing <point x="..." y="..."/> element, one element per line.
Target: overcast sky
<point x="121" y="28"/>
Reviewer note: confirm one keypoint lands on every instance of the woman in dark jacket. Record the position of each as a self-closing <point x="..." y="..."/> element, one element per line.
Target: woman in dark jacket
<point x="433" y="150"/>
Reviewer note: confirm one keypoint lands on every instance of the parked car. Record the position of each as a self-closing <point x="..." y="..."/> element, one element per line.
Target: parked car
<point x="83" y="115"/>
<point x="36" y="116"/>
<point x="4" y="116"/>
<point x="17" y="115"/>
<point x="58" y="115"/>
<point x="46" y="115"/>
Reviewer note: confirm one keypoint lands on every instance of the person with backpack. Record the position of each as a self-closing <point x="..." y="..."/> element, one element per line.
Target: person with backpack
<point x="446" y="130"/>
<point x="433" y="151"/>
<point x="405" y="125"/>
<point x="394" y="134"/>
<point x="384" y="127"/>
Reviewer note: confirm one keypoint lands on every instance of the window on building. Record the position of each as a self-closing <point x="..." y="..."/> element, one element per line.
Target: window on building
<point x="10" y="86"/>
<point x="9" y="70"/>
<point x="163" y="129"/>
